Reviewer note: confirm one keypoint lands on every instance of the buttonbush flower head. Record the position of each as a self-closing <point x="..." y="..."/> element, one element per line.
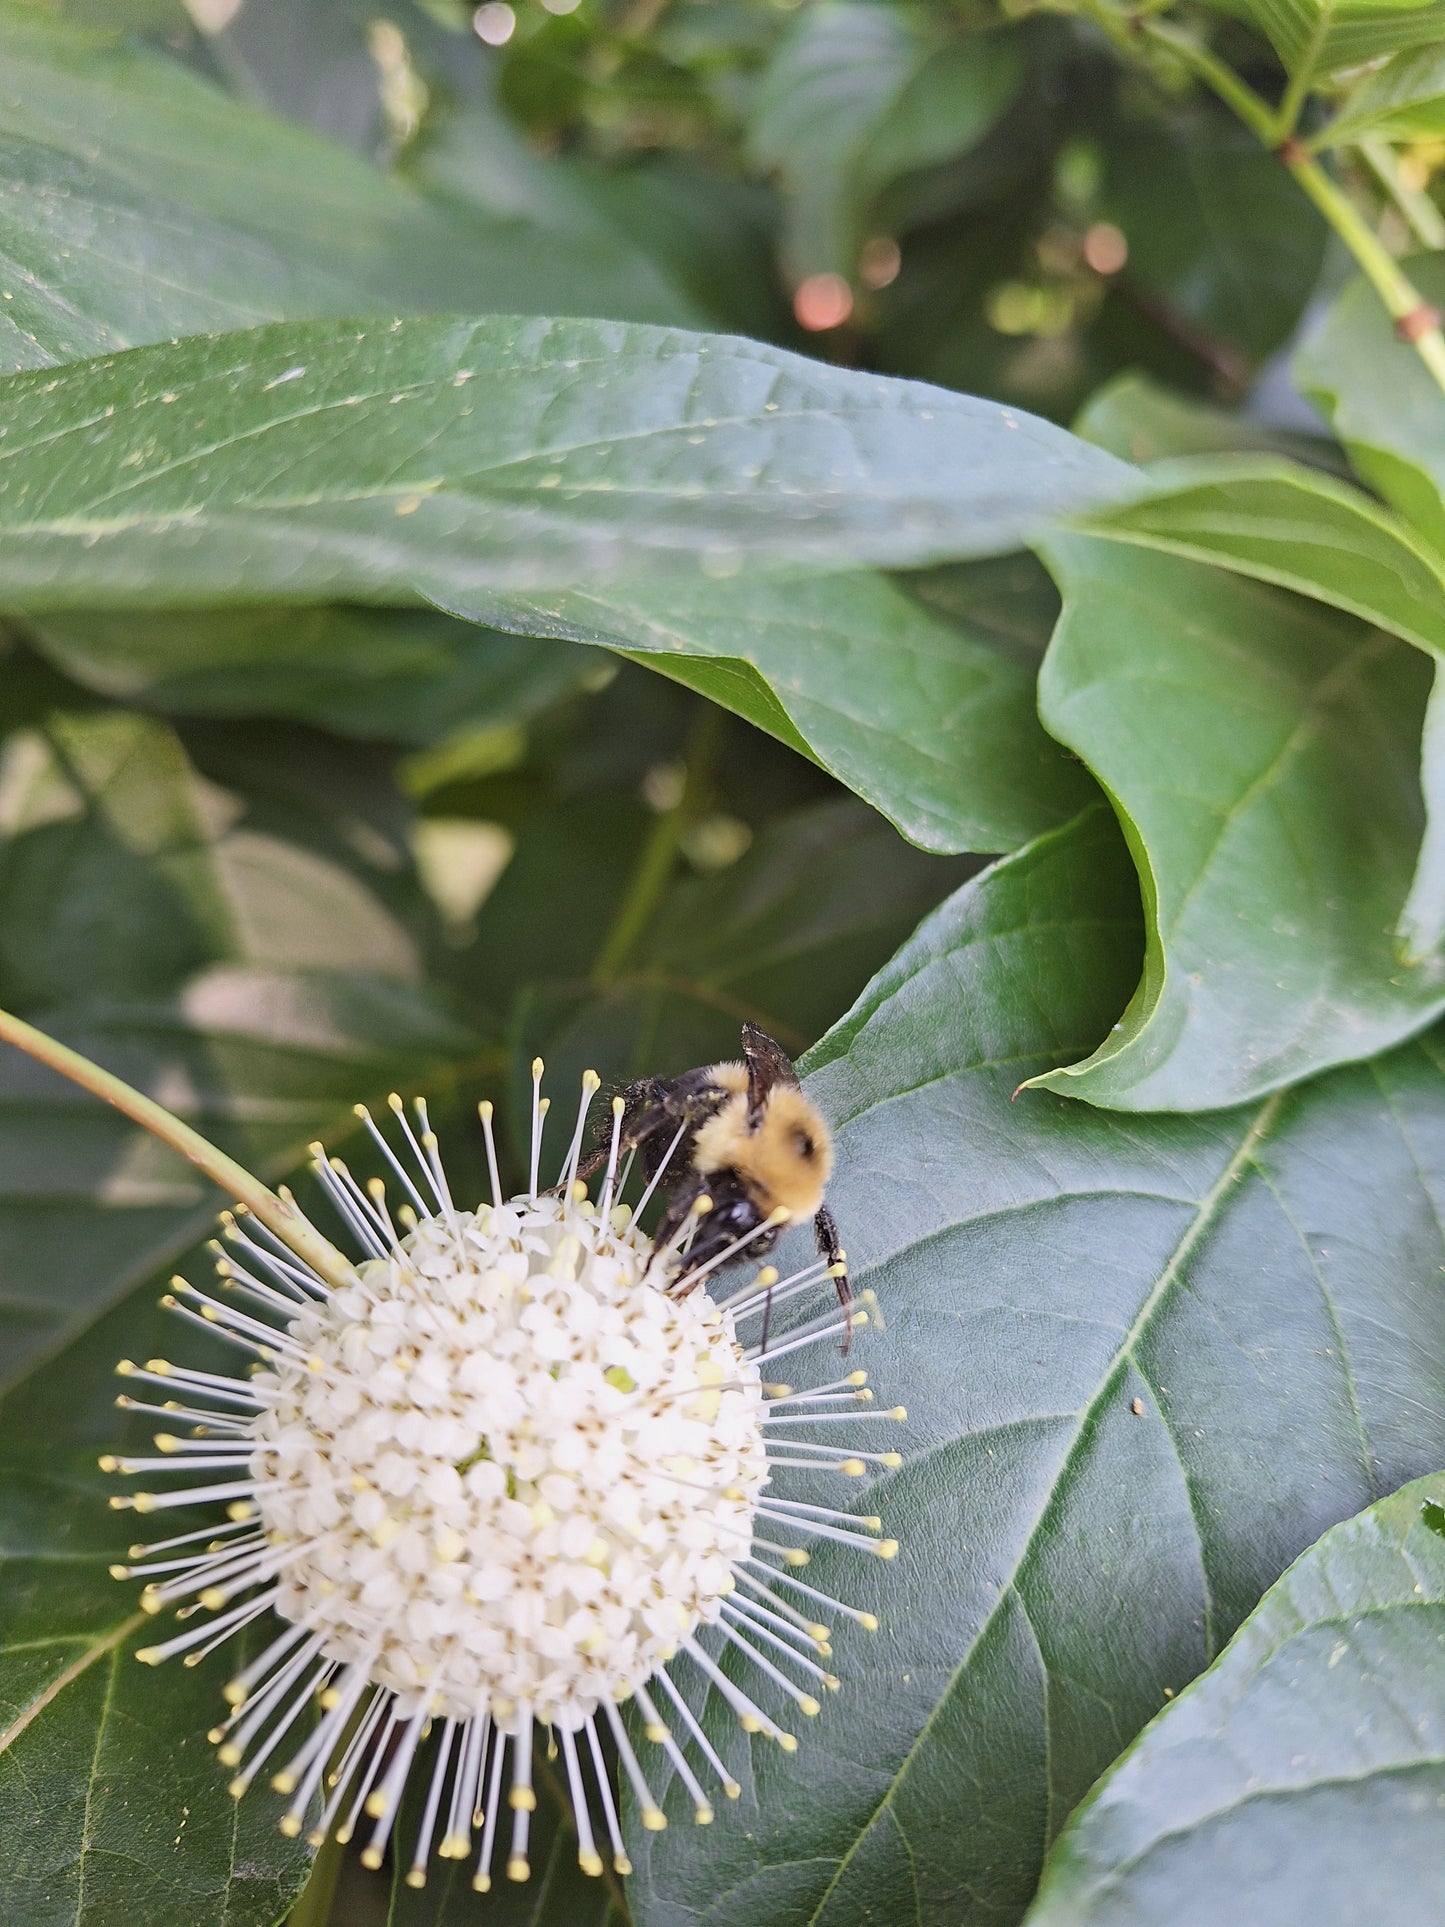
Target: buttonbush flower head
<point x="516" y="1467"/>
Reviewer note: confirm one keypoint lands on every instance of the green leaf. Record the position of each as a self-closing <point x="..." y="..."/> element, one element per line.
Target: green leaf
<point x="140" y="203"/>
<point x="227" y="952"/>
<point x="1265" y="1283"/>
<point x="1421" y="929"/>
<point x="1381" y="399"/>
<point x="402" y="675"/>
<point x="1142" y="421"/>
<point x="1221" y="242"/>
<point x="1404" y="100"/>
<point x="926" y="713"/>
<point x="1325" y="36"/>
<point x="1262" y="752"/>
<point x="454" y="458"/>
<point x="856" y="96"/>
<point x="1301" y="1778"/>
<point x="1283" y="523"/>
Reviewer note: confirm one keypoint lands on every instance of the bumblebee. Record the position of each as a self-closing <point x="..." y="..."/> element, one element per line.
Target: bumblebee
<point x="741" y="1141"/>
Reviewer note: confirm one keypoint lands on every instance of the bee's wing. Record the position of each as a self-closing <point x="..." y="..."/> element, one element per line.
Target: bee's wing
<point x="768" y="1065"/>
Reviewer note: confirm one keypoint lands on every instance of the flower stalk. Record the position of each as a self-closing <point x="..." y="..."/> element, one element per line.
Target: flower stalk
<point x="279" y="1214"/>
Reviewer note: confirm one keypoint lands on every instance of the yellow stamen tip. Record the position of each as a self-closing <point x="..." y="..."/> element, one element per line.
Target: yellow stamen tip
<point x="893" y="1460"/>
<point x="485" y="1110"/>
<point x="214" y="1597"/>
<point x="283" y="1782"/>
<point x="522" y="1799"/>
<point x="701" y="1206"/>
<point x="795" y="1556"/>
<point x="239" y="1509"/>
<point x="148" y="1656"/>
<point x="590" y="1863"/>
<point x="591" y="1081"/>
<point x="656" y="1732"/>
<point x="703" y="1816"/>
<point x="233" y="1693"/>
<point x="416" y="1877"/>
<point x="371" y="1858"/>
<point x="654" y="1819"/>
<point x="481" y="1883"/>
<point x="788" y="1742"/>
<point x="237" y="1787"/>
<point x="289" y="1825"/>
<point x="810" y="1706"/>
<point x="899" y="1412"/>
<point x="518" y="1869"/>
<point x="868" y="1621"/>
<point x="108" y="1462"/>
<point x="852" y="1468"/>
<point x="375" y="1804"/>
<point x="316" y="1838"/>
<point x="619" y="1105"/>
<point x="230" y="1754"/>
<point x="887" y="1548"/>
<point x="125" y="1367"/>
<point x="150" y="1602"/>
<point x="732" y="1789"/>
<point x="537" y="1067"/>
<point x="750" y="1723"/>
<point x="621" y="1864"/>
<point x="830" y="1680"/>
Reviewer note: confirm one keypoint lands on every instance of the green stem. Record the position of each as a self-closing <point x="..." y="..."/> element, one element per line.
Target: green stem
<point x="1394" y="287"/>
<point x="653" y="872"/>
<point x="277" y="1214"/>
<point x="1401" y="297"/>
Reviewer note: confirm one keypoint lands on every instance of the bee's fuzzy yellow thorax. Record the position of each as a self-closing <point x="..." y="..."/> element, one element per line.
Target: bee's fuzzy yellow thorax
<point x="786" y="1160"/>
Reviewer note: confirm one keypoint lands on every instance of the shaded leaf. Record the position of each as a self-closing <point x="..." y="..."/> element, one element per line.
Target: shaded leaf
<point x="1263" y="754"/>
<point x="251" y="978"/>
<point x="1421" y="928"/>
<point x="1263" y="1281"/>
<point x="856" y="97"/>
<point x="456" y="458"/>
<point x="137" y="202"/>
<point x="1142" y="421"/>
<point x="1301" y="1778"/>
<point x="402" y="675"/>
<point x="921" y="707"/>
<point x="1217" y="231"/>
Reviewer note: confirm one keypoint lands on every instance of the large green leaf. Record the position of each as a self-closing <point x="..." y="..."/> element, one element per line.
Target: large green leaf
<point x="457" y="458"/>
<point x="1264" y="1282"/>
<point x="1279" y="522"/>
<point x="1302" y="1777"/>
<point x="925" y="711"/>
<point x="1263" y="754"/>
<point x="1142" y="421"/>
<point x="1382" y="400"/>
<point x="234" y="957"/>
<point x="140" y="203"/>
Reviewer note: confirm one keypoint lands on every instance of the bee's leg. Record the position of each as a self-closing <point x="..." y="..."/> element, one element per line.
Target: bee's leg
<point x="826" y="1232"/>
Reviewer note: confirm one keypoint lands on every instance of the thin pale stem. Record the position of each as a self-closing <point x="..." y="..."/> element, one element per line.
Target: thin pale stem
<point x="233" y="1178"/>
<point x="1426" y="221"/>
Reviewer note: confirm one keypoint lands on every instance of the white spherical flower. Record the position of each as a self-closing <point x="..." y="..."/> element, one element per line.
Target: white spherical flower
<point x="506" y="1472"/>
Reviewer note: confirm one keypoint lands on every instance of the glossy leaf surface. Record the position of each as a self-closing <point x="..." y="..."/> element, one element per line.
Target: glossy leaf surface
<point x="1301" y="1777"/>
<point x="1263" y="754"/>
<point x="1262" y="1281"/>
<point x="447" y="457"/>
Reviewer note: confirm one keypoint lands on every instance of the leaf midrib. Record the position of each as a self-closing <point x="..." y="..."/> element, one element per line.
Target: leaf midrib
<point x="1207" y="1210"/>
